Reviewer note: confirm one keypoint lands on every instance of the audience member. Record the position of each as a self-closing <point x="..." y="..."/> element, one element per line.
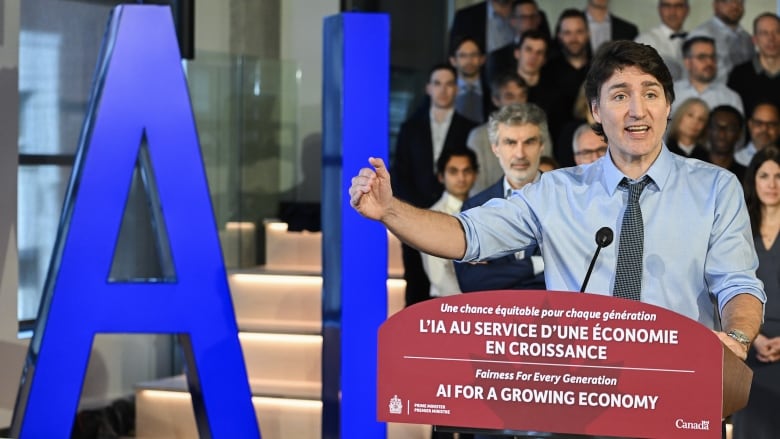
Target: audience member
<point x="605" y="26"/>
<point x="759" y="79"/>
<point x="457" y="170"/>
<point x="764" y="129"/>
<point x="488" y="22"/>
<point x="421" y="140"/>
<point x="587" y="145"/>
<point x="507" y="89"/>
<point x="564" y="209"/>
<point x="733" y="43"/>
<point x="687" y="132"/>
<point x="531" y="56"/>
<point x="526" y="16"/>
<point x="472" y="99"/>
<point x="518" y="133"/>
<point x="567" y="71"/>
<point x="759" y="419"/>
<point x="699" y="60"/>
<point x="725" y="130"/>
<point x="667" y="38"/>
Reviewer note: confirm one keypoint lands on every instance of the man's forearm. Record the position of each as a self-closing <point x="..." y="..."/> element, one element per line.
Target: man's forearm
<point x="744" y="312"/>
<point x="435" y="233"/>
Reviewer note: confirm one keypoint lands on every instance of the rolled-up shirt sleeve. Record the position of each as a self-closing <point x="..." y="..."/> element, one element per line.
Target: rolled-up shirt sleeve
<point x="731" y="261"/>
<point x="498" y="228"/>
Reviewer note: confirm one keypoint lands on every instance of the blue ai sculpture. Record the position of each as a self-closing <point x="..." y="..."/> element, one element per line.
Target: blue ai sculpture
<point x="140" y="93"/>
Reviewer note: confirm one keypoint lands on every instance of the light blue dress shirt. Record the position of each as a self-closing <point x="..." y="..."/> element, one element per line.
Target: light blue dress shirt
<point x="697" y="232"/>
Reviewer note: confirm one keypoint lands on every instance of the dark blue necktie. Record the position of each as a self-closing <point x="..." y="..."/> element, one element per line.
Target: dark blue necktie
<point x="628" y="274"/>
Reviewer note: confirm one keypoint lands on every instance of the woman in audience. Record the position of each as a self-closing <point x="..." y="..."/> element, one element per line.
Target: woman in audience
<point x="760" y="418"/>
<point x="686" y="132"/>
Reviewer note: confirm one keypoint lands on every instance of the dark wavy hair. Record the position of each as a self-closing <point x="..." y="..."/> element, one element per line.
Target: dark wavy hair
<point x="617" y="55"/>
<point x="749" y="184"/>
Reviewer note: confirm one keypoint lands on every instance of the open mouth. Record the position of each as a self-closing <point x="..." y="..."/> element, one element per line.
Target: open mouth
<point x="638" y="129"/>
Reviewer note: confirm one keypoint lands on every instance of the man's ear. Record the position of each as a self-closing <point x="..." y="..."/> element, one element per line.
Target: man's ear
<point x="594" y="109"/>
<point x="440" y="177"/>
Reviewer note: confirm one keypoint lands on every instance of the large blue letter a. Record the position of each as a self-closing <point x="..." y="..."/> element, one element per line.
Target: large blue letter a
<point x="139" y="93"/>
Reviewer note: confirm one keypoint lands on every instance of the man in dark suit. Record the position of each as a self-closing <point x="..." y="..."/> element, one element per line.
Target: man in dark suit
<point x="517" y="140"/>
<point x="421" y="140"/>
<point x="526" y="16"/>
<point x="473" y="98"/>
<point x="488" y="22"/>
<point x="605" y="26"/>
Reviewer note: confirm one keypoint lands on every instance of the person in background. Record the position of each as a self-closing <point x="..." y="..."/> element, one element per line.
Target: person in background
<point x="488" y="22"/>
<point x="667" y="38"/>
<point x="566" y="71"/>
<point x="764" y="128"/>
<point x="687" y="134"/>
<point x="518" y="133"/>
<point x="421" y="140"/>
<point x="725" y="130"/>
<point x="699" y="54"/>
<point x="758" y="80"/>
<point x="587" y="145"/>
<point x="733" y="43"/>
<point x="507" y="89"/>
<point x="526" y="17"/>
<point x="605" y="26"/>
<point x="759" y="419"/>
<point x="472" y="99"/>
<point x="457" y="170"/>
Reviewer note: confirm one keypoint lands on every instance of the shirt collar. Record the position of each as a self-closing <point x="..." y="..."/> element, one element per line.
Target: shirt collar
<point x="659" y="171"/>
<point x="447" y="118"/>
<point x="508" y="187"/>
<point x="452" y="204"/>
<point x="463" y="84"/>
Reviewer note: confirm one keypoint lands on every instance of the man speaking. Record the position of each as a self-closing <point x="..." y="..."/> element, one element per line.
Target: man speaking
<point x="681" y="229"/>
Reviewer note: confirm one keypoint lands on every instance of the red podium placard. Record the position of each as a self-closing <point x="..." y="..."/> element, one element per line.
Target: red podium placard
<point x="553" y="362"/>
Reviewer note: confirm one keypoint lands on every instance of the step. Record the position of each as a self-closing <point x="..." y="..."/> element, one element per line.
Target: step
<point x="164" y="411"/>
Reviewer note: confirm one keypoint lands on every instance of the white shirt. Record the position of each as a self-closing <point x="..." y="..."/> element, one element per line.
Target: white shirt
<point x="441" y="272"/>
<point x="670" y="49"/>
<point x="600" y="31"/>
<point x="715" y="94"/>
<point x="489" y="166"/>
<point x="439" y="133"/>
<point x="745" y="155"/>
<point x="733" y="46"/>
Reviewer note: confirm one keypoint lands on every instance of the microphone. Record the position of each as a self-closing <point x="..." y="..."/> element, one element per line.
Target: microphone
<point x="604" y="238"/>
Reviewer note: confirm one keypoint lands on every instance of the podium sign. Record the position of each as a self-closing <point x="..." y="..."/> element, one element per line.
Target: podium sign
<point x="550" y="361"/>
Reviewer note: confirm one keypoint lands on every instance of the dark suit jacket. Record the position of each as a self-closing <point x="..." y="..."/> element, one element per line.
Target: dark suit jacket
<point x="622" y="29"/>
<point x="506" y="273"/>
<point x="471" y="21"/>
<point x="414" y="179"/>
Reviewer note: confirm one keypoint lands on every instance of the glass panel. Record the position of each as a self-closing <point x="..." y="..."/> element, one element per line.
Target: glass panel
<point x="246" y="114"/>
<point x="41" y="191"/>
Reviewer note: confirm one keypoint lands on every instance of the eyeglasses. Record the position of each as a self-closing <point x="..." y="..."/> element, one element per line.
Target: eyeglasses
<point x="591" y="152"/>
<point x="525" y="16"/>
<point x="764" y="123"/>
<point x="704" y="57"/>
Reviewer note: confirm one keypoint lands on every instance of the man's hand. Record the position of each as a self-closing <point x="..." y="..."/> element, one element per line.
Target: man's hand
<point x="767" y="349"/>
<point x="738" y="348"/>
<point x="371" y="193"/>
